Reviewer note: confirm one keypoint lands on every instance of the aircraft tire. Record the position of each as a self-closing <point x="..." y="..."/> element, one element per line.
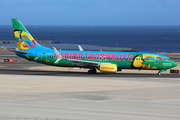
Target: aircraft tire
<point x="92" y="71"/>
<point x="158" y="73"/>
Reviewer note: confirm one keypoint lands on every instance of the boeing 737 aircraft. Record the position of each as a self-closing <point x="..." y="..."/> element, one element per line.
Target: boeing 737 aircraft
<point x="28" y="48"/>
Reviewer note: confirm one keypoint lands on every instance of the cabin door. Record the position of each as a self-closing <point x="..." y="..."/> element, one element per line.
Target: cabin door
<point x="40" y="56"/>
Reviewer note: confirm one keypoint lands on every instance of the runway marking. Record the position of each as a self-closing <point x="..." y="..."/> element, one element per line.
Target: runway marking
<point x="8" y="55"/>
<point x="3" y="66"/>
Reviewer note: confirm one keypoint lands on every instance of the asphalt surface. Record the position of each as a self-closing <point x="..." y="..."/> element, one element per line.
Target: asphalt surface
<point x="23" y="67"/>
<point x="27" y="94"/>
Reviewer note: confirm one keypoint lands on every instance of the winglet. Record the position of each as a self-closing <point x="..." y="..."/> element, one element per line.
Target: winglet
<point x="80" y="48"/>
<point x="59" y="57"/>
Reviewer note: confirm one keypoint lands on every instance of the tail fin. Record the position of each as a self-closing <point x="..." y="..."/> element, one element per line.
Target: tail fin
<point x="24" y="39"/>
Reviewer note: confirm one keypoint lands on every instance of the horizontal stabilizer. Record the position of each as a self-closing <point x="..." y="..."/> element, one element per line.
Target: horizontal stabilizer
<point x="17" y="51"/>
<point x="22" y="52"/>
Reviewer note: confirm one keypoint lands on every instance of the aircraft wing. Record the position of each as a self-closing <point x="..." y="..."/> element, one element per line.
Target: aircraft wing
<point x="78" y="62"/>
<point x="86" y="63"/>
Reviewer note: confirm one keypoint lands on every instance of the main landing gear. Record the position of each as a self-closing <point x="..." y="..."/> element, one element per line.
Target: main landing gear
<point x="92" y="71"/>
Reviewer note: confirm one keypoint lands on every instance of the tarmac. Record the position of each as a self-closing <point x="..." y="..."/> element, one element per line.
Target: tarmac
<point x="31" y="91"/>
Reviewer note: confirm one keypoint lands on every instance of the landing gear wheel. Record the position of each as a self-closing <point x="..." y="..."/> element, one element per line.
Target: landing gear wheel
<point x="92" y="71"/>
<point x="159" y="73"/>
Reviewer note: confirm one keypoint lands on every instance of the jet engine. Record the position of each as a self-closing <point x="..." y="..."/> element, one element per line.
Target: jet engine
<point x="108" y="68"/>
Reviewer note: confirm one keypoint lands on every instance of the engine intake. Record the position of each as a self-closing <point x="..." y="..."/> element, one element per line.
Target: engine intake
<point x="108" y="68"/>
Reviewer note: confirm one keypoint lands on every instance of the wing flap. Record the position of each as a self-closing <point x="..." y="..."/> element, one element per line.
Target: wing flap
<point x="86" y="63"/>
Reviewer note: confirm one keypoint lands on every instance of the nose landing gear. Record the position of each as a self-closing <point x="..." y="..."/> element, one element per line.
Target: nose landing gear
<point x="159" y="73"/>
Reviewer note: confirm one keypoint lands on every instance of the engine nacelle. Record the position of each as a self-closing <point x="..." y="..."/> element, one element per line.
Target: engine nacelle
<point x="108" y="68"/>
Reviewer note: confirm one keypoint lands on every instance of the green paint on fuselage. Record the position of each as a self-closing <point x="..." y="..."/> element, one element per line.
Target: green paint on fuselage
<point x="154" y="64"/>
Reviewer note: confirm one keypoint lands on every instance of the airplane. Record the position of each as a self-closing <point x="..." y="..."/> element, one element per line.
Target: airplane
<point x="104" y="61"/>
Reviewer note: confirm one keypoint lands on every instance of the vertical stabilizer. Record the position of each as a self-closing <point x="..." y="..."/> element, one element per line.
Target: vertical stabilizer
<point x="24" y="39"/>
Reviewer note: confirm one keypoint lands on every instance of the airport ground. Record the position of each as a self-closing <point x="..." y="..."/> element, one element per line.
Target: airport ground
<point x="31" y="91"/>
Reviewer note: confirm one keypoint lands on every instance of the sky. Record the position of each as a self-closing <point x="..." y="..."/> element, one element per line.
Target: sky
<point x="91" y="12"/>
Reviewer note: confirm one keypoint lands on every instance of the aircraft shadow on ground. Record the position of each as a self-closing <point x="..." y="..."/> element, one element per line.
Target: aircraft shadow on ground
<point x="82" y="74"/>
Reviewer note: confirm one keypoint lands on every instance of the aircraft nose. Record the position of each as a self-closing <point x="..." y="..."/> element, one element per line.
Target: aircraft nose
<point x="174" y="64"/>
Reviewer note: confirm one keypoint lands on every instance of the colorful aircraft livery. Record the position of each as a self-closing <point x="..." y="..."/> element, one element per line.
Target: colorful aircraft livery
<point x="28" y="48"/>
